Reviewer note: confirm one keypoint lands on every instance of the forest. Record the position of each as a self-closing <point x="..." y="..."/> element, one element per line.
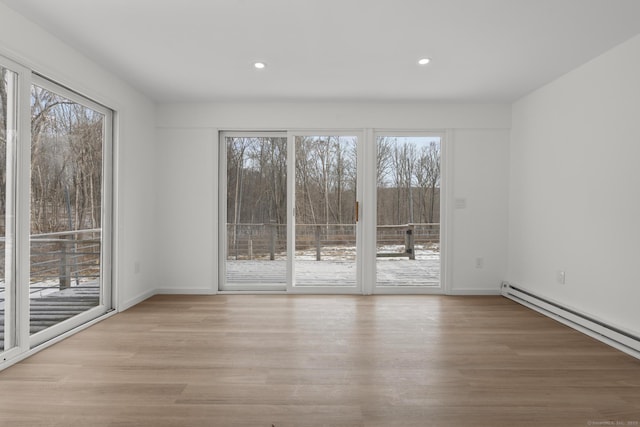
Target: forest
<point x="408" y="183"/>
<point x="65" y="181"/>
<point x="408" y="180"/>
<point x="66" y="164"/>
<point x="66" y="161"/>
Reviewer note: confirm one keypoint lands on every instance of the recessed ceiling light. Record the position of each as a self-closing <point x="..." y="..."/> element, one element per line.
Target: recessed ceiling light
<point x="424" y="61"/>
<point x="259" y="65"/>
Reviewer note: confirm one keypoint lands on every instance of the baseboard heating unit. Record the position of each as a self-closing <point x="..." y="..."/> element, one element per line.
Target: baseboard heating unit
<point x="611" y="335"/>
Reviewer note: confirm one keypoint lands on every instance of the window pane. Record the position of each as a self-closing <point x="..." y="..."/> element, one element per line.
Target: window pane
<point x="408" y="211"/>
<point x="256" y="250"/>
<point x="326" y="173"/>
<point x="66" y="208"/>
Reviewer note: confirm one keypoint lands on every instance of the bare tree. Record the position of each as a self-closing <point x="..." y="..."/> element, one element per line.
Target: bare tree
<point x="428" y="179"/>
<point x="433" y="180"/>
<point x="66" y="163"/>
<point x="305" y="211"/>
<point x="402" y="162"/>
<point x="408" y="176"/>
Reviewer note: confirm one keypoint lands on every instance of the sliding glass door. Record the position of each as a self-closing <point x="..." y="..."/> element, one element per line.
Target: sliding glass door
<point x="70" y="210"/>
<point x="294" y="218"/>
<point x="326" y="212"/>
<point x="55" y="210"/>
<point x="255" y="213"/>
<point x="289" y="212"/>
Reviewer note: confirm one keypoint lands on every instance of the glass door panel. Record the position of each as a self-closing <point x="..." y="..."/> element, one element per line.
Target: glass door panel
<point x="8" y="126"/>
<point x="325" y="211"/>
<point x="408" y="212"/>
<point x="67" y="208"/>
<point x="256" y="212"/>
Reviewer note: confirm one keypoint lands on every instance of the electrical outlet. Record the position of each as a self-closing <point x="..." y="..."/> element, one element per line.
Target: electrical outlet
<point x="136" y="267"/>
<point x="560" y="277"/>
<point x="479" y="262"/>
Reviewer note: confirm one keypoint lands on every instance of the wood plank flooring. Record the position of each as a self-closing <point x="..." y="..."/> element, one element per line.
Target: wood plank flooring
<point x="310" y="361"/>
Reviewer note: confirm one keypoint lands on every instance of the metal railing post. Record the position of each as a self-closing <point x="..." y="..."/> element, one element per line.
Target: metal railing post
<point x="235" y="239"/>
<point x="318" y="246"/>
<point x="272" y="242"/>
<point x="65" y="267"/>
<point x="409" y="242"/>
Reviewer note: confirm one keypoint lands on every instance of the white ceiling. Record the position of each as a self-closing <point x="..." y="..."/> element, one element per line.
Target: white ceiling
<point x="202" y="50"/>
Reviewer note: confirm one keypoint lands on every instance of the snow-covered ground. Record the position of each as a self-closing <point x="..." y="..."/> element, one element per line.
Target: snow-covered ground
<point x="337" y="268"/>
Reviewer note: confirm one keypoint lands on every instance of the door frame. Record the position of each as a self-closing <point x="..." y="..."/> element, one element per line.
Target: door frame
<point x="365" y="228"/>
<point x="17" y="216"/>
<point x="106" y="302"/>
<point x="446" y="171"/>
<point x="222" y="216"/>
<point x="17" y="315"/>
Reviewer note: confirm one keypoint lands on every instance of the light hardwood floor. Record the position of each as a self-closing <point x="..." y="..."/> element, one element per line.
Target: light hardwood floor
<point x="296" y="361"/>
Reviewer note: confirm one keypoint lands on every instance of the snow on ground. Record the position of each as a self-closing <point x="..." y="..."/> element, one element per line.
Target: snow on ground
<point x="337" y="268"/>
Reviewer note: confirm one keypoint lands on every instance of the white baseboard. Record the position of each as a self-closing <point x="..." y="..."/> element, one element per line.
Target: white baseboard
<point x="492" y="291"/>
<point x="164" y="291"/>
<point x="137" y="300"/>
<point x="612" y="335"/>
<point x="185" y="291"/>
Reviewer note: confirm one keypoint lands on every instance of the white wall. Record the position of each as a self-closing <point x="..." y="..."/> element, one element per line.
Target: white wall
<point x="575" y="188"/>
<point x="28" y="44"/>
<point x="187" y="176"/>
<point x="334" y="115"/>
<point x="481" y="175"/>
<point x="186" y="211"/>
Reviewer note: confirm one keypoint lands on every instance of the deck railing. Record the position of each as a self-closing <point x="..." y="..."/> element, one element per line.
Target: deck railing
<point x="268" y="241"/>
<point x="65" y="257"/>
<point x="59" y="259"/>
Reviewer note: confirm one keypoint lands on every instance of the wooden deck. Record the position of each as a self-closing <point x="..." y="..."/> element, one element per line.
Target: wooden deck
<point x="57" y="307"/>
